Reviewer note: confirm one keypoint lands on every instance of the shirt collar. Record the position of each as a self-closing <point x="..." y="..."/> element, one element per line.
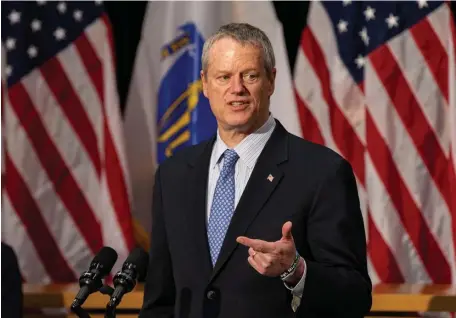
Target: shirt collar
<point x="249" y="149"/>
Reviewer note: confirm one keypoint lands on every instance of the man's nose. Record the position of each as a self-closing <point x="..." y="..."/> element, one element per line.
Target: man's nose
<point x="237" y="85"/>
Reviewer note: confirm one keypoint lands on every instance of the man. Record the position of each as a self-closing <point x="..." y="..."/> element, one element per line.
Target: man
<point x="255" y="222"/>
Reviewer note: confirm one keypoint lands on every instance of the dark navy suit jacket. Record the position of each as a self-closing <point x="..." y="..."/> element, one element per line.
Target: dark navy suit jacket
<point x="312" y="186"/>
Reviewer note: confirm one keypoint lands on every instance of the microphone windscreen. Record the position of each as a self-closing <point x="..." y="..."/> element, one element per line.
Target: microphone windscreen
<point x="106" y="257"/>
<point x="139" y="258"/>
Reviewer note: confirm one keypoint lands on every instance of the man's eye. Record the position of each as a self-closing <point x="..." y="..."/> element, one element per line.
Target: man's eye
<point x="251" y="77"/>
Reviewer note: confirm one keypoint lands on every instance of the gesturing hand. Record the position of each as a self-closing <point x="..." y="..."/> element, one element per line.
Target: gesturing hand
<point x="271" y="258"/>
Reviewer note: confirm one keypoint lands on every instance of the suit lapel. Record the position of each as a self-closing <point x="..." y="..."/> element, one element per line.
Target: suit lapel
<point x="264" y="179"/>
<point x="197" y="189"/>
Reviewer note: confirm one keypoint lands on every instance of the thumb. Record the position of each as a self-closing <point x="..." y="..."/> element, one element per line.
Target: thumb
<point x="286" y="231"/>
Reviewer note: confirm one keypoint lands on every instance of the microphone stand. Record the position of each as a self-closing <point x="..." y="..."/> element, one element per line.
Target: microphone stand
<point x="111" y="309"/>
<point x="112" y="305"/>
<point x="81" y="312"/>
<point x="108" y="290"/>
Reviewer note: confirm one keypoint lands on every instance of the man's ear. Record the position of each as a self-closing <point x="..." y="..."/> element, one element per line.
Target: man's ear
<point x="271" y="78"/>
<point x="204" y="81"/>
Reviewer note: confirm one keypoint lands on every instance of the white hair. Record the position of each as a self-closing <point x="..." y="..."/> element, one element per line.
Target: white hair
<point x="245" y="34"/>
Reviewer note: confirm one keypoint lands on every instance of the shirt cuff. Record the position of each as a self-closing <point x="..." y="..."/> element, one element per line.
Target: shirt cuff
<point x="298" y="289"/>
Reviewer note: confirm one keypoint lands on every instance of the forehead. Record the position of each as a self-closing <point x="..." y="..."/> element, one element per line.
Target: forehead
<point x="227" y="52"/>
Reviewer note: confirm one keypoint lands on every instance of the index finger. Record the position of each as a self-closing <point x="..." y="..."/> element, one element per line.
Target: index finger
<point x="258" y="245"/>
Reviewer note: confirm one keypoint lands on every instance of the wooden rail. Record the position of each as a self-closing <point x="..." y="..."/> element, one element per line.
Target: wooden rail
<point x="386" y="298"/>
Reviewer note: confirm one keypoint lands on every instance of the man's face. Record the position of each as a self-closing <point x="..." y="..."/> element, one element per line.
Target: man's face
<point x="237" y="85"/>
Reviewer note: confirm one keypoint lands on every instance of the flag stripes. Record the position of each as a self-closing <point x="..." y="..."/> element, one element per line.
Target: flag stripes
<point x="64" y="173"/>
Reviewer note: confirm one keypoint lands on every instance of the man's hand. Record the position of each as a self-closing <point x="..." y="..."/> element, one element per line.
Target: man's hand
<point x="271" y="258"/>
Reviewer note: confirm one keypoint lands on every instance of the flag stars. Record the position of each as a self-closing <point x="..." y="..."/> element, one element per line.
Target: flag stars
<point x="59" y="34"/>
<point x="36" y="25"/>
<point x="360" y="61"/>
<point x="422" y="4"/>
<point x="10" y="44"/>
<point x="392" y="21"/>
<point x="369" y="13"/>
<point x="14" y="17"/>
<point x="77" y="15"/>
<point x="62" y="7"/>
<point x="32" y="51"/>
<point x="342" y="26"/>
<point x="364" y="36"/>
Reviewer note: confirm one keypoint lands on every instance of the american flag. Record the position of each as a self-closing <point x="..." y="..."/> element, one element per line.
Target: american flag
<point x="65" y="192"/>
<point x="376" y="81"/>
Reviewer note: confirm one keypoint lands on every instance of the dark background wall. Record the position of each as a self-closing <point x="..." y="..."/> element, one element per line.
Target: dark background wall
<point x="127" y="17"/>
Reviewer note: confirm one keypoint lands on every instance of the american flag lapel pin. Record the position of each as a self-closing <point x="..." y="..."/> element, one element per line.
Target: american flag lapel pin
<point x="270" y="178"/>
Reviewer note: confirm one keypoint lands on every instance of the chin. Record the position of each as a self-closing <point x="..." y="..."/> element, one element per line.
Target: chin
<point x="239" y="125"/>
<point x="238" y="120"/>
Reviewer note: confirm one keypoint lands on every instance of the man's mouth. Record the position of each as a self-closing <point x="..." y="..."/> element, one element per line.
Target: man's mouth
<point x="238" y="103"/>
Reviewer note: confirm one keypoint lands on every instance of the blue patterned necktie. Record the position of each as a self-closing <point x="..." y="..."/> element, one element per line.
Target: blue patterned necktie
<point x="222" y="204"/>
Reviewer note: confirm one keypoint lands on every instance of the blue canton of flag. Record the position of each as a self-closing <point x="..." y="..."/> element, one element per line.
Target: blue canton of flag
<point x="32" y="33"/>
<point x="363" y="26"/>
<point x="184" y="114"/>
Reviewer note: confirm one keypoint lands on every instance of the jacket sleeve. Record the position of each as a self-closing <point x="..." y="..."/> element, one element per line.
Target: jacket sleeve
<point x="337" y="281"/>
<point x="159" y="288"/>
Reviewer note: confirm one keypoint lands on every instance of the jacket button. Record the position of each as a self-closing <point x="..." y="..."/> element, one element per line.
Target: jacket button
<point x="211" y="295"/>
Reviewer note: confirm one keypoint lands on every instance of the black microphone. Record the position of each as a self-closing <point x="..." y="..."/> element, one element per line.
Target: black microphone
<point x="91" y="280"/>
<point x="134" y="268"/>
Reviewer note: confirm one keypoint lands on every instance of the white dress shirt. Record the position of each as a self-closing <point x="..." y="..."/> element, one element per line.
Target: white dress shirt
<point x="248" y="150"/>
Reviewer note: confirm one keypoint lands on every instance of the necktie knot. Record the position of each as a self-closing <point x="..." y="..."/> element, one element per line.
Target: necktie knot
<point x="230" y="158"/>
